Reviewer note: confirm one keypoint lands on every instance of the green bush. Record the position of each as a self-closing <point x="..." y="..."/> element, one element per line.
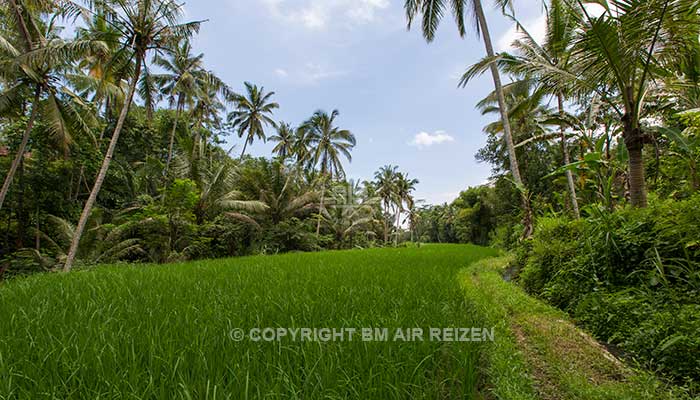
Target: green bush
<point x="553" y="246"/>
<point x="631" y="277"/>
<point x="655" y="327"/>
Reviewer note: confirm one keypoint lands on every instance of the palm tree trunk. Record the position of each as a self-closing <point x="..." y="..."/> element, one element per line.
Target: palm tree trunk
<point x="386" y="224"/>
<point x="245" y="145"/>
<point x="22" y="25"/>
<point x="37" y="236"/>
<point x="638" y="193"/>
<point x="194" y="160"/>
<point x="507" y="134"/>
<point x="172" y="134"/>
<point x="21" y="220"/>
<point x="398" y="225"/>
<point x="105" y="166"/>
<point x="22" y="147"/>
<point x="567" y="160"/>
<point x="320" y="208"/>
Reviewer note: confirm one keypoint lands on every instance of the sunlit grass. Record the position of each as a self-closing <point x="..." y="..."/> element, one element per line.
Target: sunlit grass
<point x="163" y="331"/>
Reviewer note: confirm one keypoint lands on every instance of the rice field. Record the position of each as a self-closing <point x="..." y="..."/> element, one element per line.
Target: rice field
<point x="169" y="332"/>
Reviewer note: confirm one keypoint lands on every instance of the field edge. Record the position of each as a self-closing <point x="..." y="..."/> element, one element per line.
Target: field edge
<point x="538" y="353"/>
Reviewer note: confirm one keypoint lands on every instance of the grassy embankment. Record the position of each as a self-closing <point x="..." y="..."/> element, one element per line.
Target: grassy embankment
<point x="539" y="354"/>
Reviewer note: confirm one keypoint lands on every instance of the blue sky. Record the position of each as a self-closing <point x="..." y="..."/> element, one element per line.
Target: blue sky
<point x="395" y="92"/>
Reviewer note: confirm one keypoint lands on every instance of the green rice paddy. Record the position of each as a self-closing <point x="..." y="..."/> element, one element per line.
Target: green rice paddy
<point x="167" y="332"/>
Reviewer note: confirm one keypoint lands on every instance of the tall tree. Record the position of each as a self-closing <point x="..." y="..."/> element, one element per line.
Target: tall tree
<point x="253" y="112"/>
<point x="148" y="25"/>
<point x="100" y="76"/>
<point x="329" y="143"/>
<point x="405" y="187"/>
<point x="36" y="62"/>
<point x="617" y="56"/>
<point x="561" y="24"/>
<point x="206" y="116"/>
<point x="386" y="189"/>
<point x="285" y="139"/>
<point x="180" y="82"/>
<point x="432" y="12"/>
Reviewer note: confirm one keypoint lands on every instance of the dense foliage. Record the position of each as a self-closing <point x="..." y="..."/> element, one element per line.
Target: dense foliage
<point x="631" y="277"/>
<point x="600" y="119"/>
<point x="111" y="150"/>
<point x="110" y="145"/>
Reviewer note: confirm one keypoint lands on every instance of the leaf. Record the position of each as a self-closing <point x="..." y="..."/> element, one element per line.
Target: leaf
<point x="670" y="342"/>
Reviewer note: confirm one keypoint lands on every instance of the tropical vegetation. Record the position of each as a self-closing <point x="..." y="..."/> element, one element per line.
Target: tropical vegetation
<point x="603" y="114"/>
<point x="118" y="145"/>
<point x="112" y="150"/>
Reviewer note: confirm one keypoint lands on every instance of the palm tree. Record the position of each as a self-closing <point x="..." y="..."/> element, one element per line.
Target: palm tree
<point x="102" y="74"/>
<point x="253" y="112"/>
<point x="350" y="214"/>
<point x="413" y="218"/>
<point x="285" y="140"/>
<point x="148" y="25"/>
<point x="404" y="195"/>
<point x="302" y="149"/>
<point x="35" y="62"/>
<point x="528" y="117"/>
<point x="278" y="191"/>
<point x="218" y="182"/>
<point x="206" y="113"/>
<point x="181" y="81"/>
<point x="617" y="56"/>
<point x="386" y="189"/>
<point x="329" y="142"/>
<point x="432" y="11"/>
<point x="561" y="24"/>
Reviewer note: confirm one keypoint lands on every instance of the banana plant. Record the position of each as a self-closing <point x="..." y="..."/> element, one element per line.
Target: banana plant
<point x="686" y="144"/>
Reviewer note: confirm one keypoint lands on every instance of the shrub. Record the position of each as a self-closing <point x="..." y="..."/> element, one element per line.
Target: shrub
<point x="631" y="277"/>
<point x="552" y="247"/>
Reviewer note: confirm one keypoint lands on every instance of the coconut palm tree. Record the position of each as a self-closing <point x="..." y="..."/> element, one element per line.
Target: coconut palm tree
<point x="432" y="12"/>
<point x="206" y="116"/>
<point x="302" y="149"/>
<point x="561" y="24"/>
<point x="386" y="189"/>
<point x="147" y="26"/>
<point x="35" y="62"/>
<point x="253" y="112"/>
<point x="404" y="195"/>
<point x="350" y="215"/>
<point x="100" y="76"/>
<point x="617" y="56"/>
<point x="179" y="83"/>
<point x="329" y="143"/>
<point x="277" y="191"/>
<point x="285" y="139"/>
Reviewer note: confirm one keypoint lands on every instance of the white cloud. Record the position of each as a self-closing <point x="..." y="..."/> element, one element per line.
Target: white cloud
<point x="440" y="198"/>
<point x="309" y="74"/>
<point x="425" y="139"/>
<point x="365" y="10"/>
<point x="319" y="14"/>
<point x="313" y="73"/>
<point x="537" y="28"/>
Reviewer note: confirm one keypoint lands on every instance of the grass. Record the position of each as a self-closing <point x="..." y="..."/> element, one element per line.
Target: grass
<point x="540" y="354"/>
<point x="163" y="332"/>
